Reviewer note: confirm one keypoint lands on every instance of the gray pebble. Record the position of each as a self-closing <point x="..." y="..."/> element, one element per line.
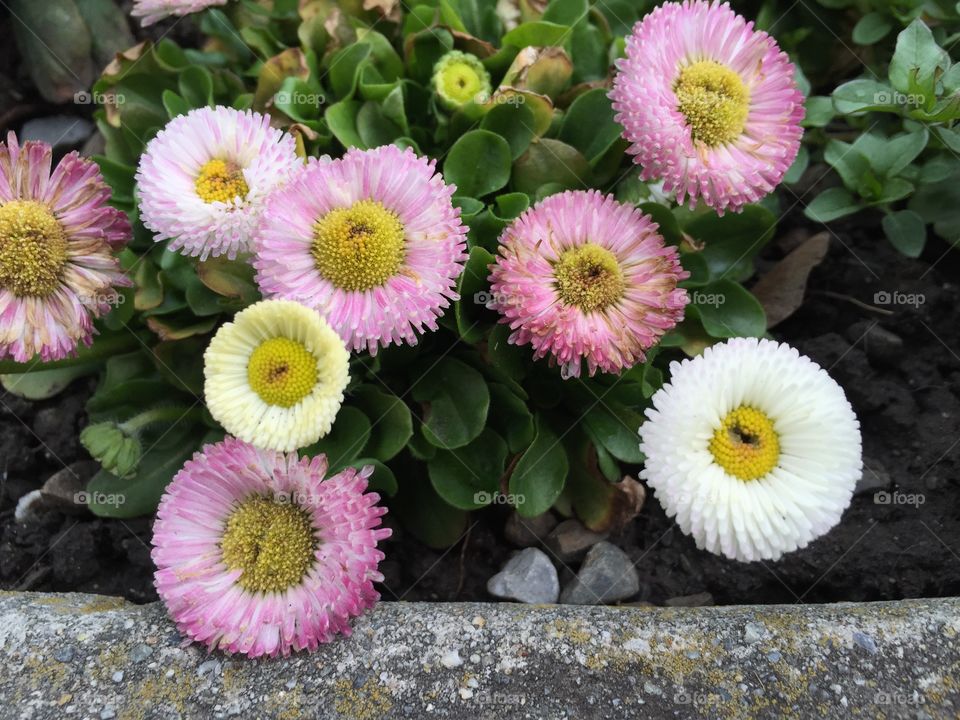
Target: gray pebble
<point x="528" y="576"/>
<point x="607" y="575"/>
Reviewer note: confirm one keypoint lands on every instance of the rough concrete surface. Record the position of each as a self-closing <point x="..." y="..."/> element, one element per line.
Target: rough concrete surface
<point x="88" y="656"/>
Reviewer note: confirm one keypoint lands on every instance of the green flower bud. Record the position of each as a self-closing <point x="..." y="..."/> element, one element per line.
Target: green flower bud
<point x="460" y="78"/>
<point x="115" y="450"/>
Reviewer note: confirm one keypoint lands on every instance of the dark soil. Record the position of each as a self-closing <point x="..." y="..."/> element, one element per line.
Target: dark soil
<point x="905" y="396"/>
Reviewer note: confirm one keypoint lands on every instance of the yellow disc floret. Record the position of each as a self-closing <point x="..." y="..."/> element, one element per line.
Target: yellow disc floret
<point x="588" y="276"/>
<point x="221" y="181"/>
<point x="282" y="371"/>
<point x="33" y="248"/>
<point x="745" y="444"/>
<point x="714" y="101"/>
<point x="272" y="542"/>
<point x="359" y="247"/>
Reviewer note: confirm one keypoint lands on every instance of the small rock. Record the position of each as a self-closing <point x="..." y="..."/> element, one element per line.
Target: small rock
<point x="527" y="532"/>
<point x="140" y="653"/>
<point x="209" y="667"/>
<point x="874" y="477"/>
<point x="753" y="632"/>
<point x="107" y="714"/>
<point x="703" y="599"/>
<point x="60" y="491"/>
<point x="570" y="540"/>
<point x="451" y="659"/>
<point x="881" y="346"/>
<point x="774" y="656"/>
<point x="62" y="132"/>
<point x="117" y="677"/>
<point x="528" y="576"/>
<point x="866" y="642"/>
<point x="607" y="575"/>
<point x="29" y="507"/>
<point x="64" y="654"/>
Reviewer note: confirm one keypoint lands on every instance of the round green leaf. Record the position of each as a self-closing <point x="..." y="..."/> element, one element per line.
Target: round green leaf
<point x="392" y="424"/>
<point x="540" y="474"/>
<point x="468" y="478"/>
<point x="729" y="310"/>
<point x="456" y="401"/>
<point x="907" y="231"/>
<point x="478" y="163"/>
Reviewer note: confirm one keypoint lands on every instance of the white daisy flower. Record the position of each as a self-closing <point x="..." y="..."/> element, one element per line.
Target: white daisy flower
<point x="205" y="177"/>
<point x="753" y="448"/>
<point x="275" y="376"/>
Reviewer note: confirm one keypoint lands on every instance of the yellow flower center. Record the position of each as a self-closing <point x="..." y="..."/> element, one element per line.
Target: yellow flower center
<point x="714" y="100"/>
<point x="359" y="247"/>
<point x="221" y="181"/>
<point x="461" y="82"/>
<point x="33" y="248"/>
<point x="745" y="444"/>
<point x="282" y="371"/>
<point x="589" y="277"/>
<point x="273" y="543"/>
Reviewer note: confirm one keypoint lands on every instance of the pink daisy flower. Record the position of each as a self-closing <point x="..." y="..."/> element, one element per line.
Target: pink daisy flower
<point x="258" y="554"/>
<point x="151" y="11"/>
<point x="205" y="177"/>
<point x="371" y="241"/>
<point x="58" y="270"/>
<point x="710" y="104"/>
<point x="581" y="276"/>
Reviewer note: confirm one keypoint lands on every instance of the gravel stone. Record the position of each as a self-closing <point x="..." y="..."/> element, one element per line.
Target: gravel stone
<point x="607" y="575"/>
<point x="529" y="577"/>
<point x="570" y="540"/>
<point x="527" y="532"/>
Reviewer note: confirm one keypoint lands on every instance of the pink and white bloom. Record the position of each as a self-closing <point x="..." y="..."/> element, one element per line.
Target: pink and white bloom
<point x="205" y="177"/>
<point x="709" y="104"/>
<point x="58" y="236"/>
<point x="151" y="11"/>
<point x="582" y="277"/>
<point x="258" y="553"/>
<point x="370" y="241"/>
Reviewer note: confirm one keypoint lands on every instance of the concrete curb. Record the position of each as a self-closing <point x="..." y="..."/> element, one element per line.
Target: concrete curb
<point x="89" y="656"/>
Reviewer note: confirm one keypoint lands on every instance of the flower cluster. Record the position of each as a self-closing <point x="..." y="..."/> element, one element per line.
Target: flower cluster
<point x="307" y="269"/>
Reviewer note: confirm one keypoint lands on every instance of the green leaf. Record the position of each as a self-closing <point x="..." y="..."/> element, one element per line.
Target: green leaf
<point x="469" y="477"/>
<point x="374" y="128"/>
<point x="473" y="289"/>
<point x="894" y="154"/>
<point x="111" y="496"/>
<point x="174" y="104"/>
<point x="735" y="313"/>
<point x="456" y="401"/>
<point x="732" y="241"/>
<point x="345" y="67"/>
<point x="433" y="522"/>
<point x="510" y="416"/>
<point x="196" y="87"/>
<point x="862" y="95"/>
<point x="589" y="125"/>
<point x="40" y="384"/>
<point x="831" y="204"/>
<point x="907" y="231"/>
<point x="392" y="423"/>
<point x="536" y="34"/>
<point x="514" y="122"/>
<point x="615" y="428"/>
<point x="916" y="60"/>
<point x="478" y="163"/>
<point x="871" y="28"/>
<point x="551" y="161"/>
<point x="819" y="111"/>
<point x="341" y="118"/>
<point x="347" y="438"/>
<point x="540" y="474"/>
